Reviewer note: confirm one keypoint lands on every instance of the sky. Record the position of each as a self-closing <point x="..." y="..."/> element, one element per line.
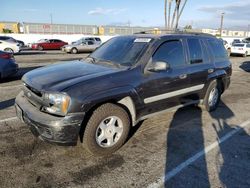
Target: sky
<point x="198" y="13"/>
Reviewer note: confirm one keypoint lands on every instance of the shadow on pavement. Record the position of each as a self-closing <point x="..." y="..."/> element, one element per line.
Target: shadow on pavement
<point x="19" y="74"/>
<point x="30" y="53"/>
<point x="234" y="165"/>
<point x="245" y="66"/>
<point x="184" y="139"/>
<point x="7" y="103"/>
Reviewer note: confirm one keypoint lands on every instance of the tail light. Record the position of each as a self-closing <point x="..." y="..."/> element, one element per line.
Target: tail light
<point x="6" y="56"/>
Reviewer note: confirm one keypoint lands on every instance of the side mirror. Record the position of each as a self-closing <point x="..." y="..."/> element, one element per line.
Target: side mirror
<point x="158" y="66"/>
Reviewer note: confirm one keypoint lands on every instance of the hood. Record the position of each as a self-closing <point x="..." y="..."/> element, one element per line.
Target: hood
<point x="61" y="76"/>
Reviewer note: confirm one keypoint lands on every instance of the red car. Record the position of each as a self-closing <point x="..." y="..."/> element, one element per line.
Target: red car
<point x="51" y="44"/>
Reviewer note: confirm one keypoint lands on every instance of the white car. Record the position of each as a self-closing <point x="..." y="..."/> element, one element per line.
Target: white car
<point x="96" y="40"/>
<point x="11" y="47"/>
<point x="241" y="48"/>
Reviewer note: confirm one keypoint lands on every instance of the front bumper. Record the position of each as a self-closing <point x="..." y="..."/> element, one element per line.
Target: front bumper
<point x="66" y="49"/>
<point x="53" y="129"/>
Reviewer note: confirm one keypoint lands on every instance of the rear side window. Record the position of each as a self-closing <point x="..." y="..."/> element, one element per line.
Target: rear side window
<point x="90" y="42"/>
<point x="217" y="49"/>
<point x="171" y="52"/>
<point x="195" y="51"/>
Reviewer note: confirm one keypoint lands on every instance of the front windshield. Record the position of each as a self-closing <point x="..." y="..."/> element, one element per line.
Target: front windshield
<point x="121" y="50"/>
<point x="78" y="42"/>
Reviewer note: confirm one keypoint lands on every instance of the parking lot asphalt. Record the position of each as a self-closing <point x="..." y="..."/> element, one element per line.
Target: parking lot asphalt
<point x="185" y="148"/>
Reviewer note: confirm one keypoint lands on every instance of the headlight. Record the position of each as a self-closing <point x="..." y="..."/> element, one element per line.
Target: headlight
<point x="58" y="103"/>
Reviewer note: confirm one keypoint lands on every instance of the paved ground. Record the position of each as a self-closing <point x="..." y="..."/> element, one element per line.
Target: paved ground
<point x="185" y="148"/>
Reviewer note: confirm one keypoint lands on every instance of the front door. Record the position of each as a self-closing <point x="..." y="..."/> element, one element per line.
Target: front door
<point x="165" y="89"/>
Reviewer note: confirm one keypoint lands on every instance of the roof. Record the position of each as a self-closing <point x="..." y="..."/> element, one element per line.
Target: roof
<point x="152" y="33"/>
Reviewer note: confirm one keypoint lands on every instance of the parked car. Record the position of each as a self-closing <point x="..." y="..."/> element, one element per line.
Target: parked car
<point x="39" y="41"/>
<point x="227" y="47"/>
<point x="126" y="80"/>
<point x="8" y="46"/>
<point x="8" y="65"/>
<point x="51" y="44"/>
<point x="96" y="40"/>
<point x="11" y="39"/>
<point x="235" y="41"/>
<point x="86" y="46"/>
<point x="241" y="49"/>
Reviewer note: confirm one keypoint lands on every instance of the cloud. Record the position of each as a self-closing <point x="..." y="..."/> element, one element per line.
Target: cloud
<point x="29" y="10"/>
<point x="102" y="11"/>
<point x="237" y="14"/>
<point x="239" y="10"/>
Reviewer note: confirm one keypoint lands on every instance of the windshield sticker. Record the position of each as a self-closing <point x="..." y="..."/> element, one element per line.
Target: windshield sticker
<point x="142" y="40"/>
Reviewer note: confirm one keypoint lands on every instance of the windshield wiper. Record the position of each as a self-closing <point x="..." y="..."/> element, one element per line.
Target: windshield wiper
<point x="108" y="62"/>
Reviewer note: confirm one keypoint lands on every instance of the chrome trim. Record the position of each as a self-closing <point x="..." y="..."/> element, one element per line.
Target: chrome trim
<point x="172" y="94"/>
<point x="199" y="102"/>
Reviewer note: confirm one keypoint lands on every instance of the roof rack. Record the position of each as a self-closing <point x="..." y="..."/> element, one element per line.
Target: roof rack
<point x="168" y="31"/>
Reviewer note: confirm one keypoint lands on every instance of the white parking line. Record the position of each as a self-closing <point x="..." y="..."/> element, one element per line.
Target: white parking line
<point x="160" y="182"/>
<point x="8" y="119"/>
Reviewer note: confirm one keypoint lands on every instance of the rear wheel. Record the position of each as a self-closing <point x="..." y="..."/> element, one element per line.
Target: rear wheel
<point x="9" y="50"/>
<point x="212" y="98"/>
<point x="74" y="51"/>
<point x="106" y="130"/>
<point x="40" y="48"/>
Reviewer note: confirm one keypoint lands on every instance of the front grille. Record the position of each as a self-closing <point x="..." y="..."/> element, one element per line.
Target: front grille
<point x="38" y="93"/>
<point x="33" y="96"/>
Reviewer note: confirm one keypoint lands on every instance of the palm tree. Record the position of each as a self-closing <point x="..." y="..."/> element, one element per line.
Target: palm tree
<point x="165" y="14"/>
<point x="169" y="12"/>
<point x="180" y="13"/>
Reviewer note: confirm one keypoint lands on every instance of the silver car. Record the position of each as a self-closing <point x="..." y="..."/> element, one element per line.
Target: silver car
<point x="80" y="46"/>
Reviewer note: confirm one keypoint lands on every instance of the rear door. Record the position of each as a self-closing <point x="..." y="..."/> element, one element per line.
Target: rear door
<point x="248" y="49"/>
<point x="199" y="63"/>
<point x="165" y="89"/>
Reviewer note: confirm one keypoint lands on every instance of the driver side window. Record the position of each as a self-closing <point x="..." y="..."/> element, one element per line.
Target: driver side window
<point x="171" y="52"/>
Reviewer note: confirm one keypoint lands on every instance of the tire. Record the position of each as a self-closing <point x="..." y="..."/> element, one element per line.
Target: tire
<point x="40" y="48"/>
<point x="245" y="54"/>
<point x="100" y="126"/>
<point x="229" y="52"/>
<point x="210" y="104"/>
<point x="9" y="50"/>
<point x="74" y="51"/>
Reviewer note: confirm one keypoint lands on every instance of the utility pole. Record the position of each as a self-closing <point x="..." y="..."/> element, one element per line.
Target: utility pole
<point x="248" y="30"/>
<point x="51" y="22"/>
<point x="221" y="23"/>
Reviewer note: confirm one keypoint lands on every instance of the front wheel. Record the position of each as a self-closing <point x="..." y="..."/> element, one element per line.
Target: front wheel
<point x="212" y="98"/>
<point x="245" y="54"/>
<point x="106" y="130"/>
<point x="74" y="51"/>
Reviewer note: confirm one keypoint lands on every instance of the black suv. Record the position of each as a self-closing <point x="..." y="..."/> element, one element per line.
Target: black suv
<point x="126" y="80"/>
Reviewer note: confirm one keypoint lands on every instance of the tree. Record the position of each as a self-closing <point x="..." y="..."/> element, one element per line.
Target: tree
<point x="187" y="27"/>
<point x="171" y="23"/>
<point x="165" y="14"/>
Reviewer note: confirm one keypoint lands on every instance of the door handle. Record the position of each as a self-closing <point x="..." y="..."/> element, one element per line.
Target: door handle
<point x="210" y="70"/>
<point x="183" y="76"/>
